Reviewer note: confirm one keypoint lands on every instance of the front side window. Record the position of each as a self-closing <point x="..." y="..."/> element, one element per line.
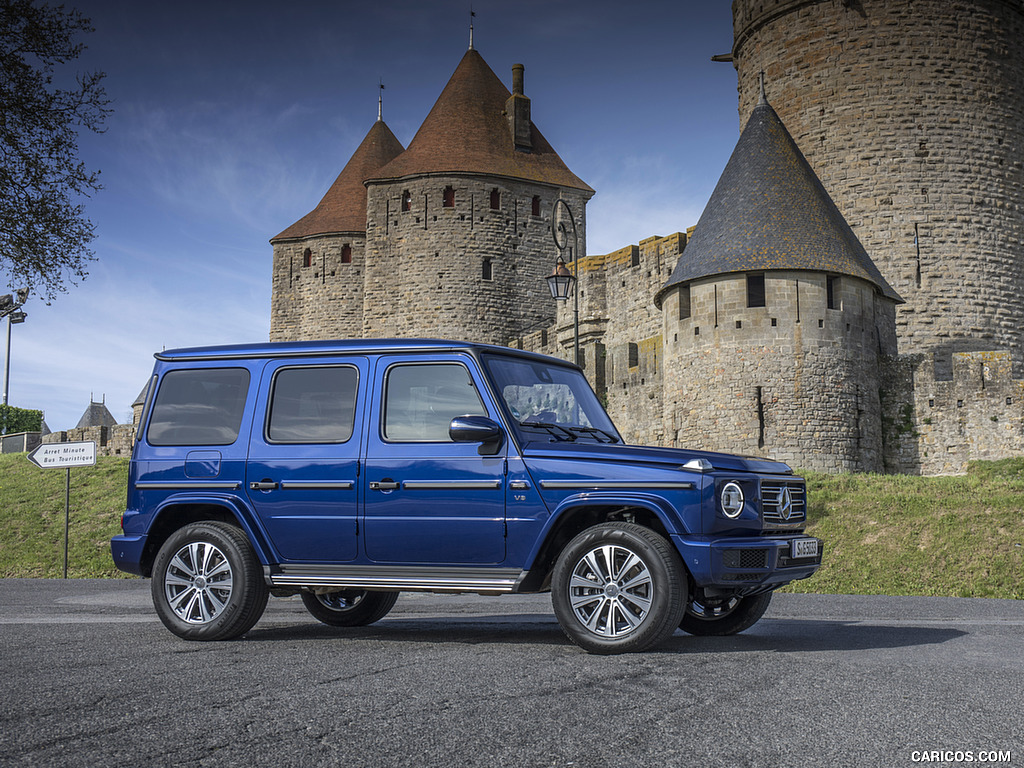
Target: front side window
<point x="315" y="404"/>
<point x="420" y="401"/>
<point x="550" y="402"/>
<point x="203" y="406"/>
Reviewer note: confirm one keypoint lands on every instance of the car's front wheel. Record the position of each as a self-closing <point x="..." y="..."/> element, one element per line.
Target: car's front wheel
<point x="208" y="583"/>
<point x="618" y="588"/>
<point x="724" y="617"/>
<point x="349" y="607"/>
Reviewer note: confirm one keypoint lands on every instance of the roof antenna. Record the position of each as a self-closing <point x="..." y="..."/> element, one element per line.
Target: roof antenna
<point x="472" y="15"/>
<point x="380" y="100"/>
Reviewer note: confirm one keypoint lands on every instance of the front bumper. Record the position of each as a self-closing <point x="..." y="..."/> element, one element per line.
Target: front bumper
<point x="127" y="553"/>
<point x="731" y="563"/>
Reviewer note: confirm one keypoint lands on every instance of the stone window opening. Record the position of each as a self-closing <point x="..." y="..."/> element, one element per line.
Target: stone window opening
<point x="307" y="258"/>
<point x="755" y="290"/>
<point x="634" y="256"/>
<point x="760" y="417"/>
<point x="406" y="200"/>
<point x="495" y="199"/>
<point x="634" y="355"/>
<point x="346" y="254"/>
<point x="448" y="198"/>
<point x="487" y="272"/>
<point x="684" y="302"/>
<point x="535" y="206"/>
<point x="832" y="291"/>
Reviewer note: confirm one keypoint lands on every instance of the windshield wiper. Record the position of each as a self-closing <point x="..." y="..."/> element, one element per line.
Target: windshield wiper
<point x="556" y="430"/>
<point x="595" y="431"/>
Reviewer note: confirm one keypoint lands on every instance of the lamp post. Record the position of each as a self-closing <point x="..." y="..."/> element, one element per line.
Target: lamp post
<point x="10" y="307"/>
<point x="562" y="281"/>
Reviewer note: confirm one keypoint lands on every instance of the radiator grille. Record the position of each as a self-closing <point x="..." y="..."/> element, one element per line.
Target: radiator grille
<point x="783" y="502"/>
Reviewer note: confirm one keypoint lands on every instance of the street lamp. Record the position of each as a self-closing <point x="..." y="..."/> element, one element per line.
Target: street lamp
<point x="562" y="281"/>
<point x="10" y="307"/>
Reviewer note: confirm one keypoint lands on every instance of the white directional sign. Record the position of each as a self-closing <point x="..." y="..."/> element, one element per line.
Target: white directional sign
<point x="60" y="455"/>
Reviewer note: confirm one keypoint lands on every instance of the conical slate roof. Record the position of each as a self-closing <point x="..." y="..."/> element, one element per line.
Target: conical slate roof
<point x="343" y="208"/>
<point x="770" y="211"/>
<point x="96" y="415"/>
<point x="467" y="132"/>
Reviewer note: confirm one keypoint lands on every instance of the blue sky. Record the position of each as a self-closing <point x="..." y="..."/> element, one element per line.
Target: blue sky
<point x="231" y="119"/>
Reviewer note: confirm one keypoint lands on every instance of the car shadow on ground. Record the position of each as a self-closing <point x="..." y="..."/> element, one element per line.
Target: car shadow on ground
<point x="771" y="635"/>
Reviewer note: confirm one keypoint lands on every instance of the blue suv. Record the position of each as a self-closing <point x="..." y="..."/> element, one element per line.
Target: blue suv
<point x="349" y="471"/>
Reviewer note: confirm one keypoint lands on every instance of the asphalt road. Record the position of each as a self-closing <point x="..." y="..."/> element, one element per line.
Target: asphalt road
<point x="89" y="677"/>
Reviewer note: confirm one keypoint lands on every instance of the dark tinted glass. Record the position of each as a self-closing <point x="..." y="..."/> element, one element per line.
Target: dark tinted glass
<point x="199" y="407"/>
<point x="313" y="405"/>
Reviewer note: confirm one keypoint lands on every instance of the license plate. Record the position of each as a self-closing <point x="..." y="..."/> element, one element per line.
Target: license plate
<point x="804" y="548"/>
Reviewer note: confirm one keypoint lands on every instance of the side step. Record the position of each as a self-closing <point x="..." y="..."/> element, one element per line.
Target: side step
<point x="399" y="578"/>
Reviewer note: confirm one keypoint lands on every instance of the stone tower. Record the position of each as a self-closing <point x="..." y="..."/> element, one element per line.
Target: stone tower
<point x="458" y="226"/>
<point x="912" y="115"/>
<point x="775" y="320"/>
<point x="319" y="260"/>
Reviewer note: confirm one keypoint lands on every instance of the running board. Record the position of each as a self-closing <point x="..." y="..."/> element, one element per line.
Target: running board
<point x="404" y="578"/>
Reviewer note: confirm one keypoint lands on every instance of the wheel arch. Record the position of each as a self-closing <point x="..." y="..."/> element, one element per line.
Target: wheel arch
<point x="576" y="515"/>
<point x="176" y="513"/>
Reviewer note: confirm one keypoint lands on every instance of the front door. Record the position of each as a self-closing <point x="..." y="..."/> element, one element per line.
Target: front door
<point x="303" y="468"/>
<point x="429" y="500"/>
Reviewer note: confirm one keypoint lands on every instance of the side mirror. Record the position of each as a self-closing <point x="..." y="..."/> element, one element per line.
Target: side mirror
<point x="478" y="429"/>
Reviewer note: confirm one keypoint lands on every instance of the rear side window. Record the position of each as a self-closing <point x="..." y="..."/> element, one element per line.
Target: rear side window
<point x="422" y="400"/>
<point x="316" y="404"/>
<point x="199" y="407"/>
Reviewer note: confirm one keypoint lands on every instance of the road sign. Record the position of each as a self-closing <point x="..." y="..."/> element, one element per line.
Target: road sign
<point x="60" y="455"/>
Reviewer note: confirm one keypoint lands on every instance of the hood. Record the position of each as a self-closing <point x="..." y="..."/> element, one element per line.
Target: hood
<point x="669" y="458"/>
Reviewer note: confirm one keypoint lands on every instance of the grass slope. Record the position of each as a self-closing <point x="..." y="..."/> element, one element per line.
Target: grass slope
<point x="884" y="534"/>
<point x="32" y="518"/>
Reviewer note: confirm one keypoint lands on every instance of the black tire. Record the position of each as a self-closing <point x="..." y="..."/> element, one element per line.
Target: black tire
<point x="639" y="589"/>
<point x="208" y="583"/>
<point x="724" y="618"/>
<point x="349" y="607"/>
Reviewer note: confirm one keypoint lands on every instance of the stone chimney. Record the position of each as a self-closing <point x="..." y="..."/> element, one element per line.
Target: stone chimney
<point x="517" y="110"/>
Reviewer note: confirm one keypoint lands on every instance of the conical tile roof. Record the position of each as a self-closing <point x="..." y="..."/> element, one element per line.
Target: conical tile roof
<point x="467" y="132"/>
<point x="343" y="208"/>
<point x="770" y="211"/>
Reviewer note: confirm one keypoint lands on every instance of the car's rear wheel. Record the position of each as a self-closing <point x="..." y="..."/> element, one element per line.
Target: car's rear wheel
<point x="349" y="607"/>
<point x="618" y="588"/>
<point x="724" y="617"/>
<point x="208" y="583"/>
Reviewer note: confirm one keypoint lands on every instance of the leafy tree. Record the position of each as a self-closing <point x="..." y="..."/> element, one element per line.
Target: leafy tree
<point x="20" y="419"/>
<point x="44" y="234"/>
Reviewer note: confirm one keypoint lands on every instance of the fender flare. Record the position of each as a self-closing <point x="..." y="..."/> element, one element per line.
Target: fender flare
<point x="657" y="505"/>
<point x="240" y="511"/>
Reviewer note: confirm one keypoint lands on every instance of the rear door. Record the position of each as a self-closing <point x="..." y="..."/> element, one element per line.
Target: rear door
<point x="429" y="500"/>
<point x="303" y="470"/>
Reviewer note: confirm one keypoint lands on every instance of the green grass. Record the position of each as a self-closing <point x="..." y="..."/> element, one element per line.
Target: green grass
<point x="884" y="534"/>
<point x="32" y="518"/>
<point x="957" y="536"/>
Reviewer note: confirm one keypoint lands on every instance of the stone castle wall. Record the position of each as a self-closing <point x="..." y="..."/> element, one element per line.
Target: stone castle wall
<point x="912" y="115"/>
<point x="937" y="424"/>
<point x="323" y="300"/>
<point x="793" y="380"/>
<point x="110" y="441"/>
<point x="470" y="271"/>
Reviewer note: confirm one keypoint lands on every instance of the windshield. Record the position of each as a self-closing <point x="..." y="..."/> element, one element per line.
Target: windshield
<point x="550" y="402"/>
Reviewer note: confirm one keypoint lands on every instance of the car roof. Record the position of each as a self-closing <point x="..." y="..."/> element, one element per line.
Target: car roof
<point x="341" y="346"/>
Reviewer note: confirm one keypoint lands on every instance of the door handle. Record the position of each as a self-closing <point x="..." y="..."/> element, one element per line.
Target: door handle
<point x="384" y="485"/>
<point x="266" y="485"/>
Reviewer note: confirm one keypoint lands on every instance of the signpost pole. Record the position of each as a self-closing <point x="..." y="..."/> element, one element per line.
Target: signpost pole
<point x="67" y="517"/>
<point x="65" y="456"/>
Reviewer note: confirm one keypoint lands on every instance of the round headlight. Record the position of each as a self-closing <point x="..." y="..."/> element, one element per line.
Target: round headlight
<point x="732" y="500"/>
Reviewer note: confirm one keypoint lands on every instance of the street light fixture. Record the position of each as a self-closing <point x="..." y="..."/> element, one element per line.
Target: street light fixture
<point x="562" y="281"/>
